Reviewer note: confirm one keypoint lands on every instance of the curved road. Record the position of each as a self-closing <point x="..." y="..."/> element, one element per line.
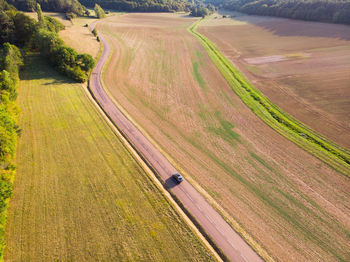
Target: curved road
<point x="230" y="242"/>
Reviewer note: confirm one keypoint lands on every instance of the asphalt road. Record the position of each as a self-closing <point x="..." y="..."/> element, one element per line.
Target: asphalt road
<point x="235" y="248"/>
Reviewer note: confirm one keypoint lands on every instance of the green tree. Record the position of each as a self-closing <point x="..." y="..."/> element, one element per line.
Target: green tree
<point x="47" y="41"/>
<point x="7" y="28"/>
<point x="11" y="59"/>
<point x="99" y="12"/>
<point x="86" y="62"/>
<point x="41" y="20"/>
<point x="8" y="84"/>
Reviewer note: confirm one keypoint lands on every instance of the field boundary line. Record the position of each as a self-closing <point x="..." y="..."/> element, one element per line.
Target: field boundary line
<point x="152" y="173"/>
<point x="327" y="151"/>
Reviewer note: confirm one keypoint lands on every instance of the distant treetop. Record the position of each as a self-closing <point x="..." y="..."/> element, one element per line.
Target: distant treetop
<point x="141" y="5"/>
<point x="66" y="6"/>
<point x="334" y="11"/>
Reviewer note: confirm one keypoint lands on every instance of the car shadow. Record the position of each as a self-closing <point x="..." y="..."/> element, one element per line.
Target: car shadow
<point x="170" y="183"/>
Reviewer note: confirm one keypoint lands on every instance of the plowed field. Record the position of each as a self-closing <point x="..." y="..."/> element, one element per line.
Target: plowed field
<point x="294" y="205"/>
<point x="303" y="67"/>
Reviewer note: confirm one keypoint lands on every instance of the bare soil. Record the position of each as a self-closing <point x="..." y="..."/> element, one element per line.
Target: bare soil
<point x="311" y="78"/>
<point x="294" y="205"/>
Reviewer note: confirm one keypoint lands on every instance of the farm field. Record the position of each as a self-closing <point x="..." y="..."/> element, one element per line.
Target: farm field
<point x="75" y="35"/>
<point x="79" y="195"/>
<point x="294" y="205"/>
<point x="303" y="67"/>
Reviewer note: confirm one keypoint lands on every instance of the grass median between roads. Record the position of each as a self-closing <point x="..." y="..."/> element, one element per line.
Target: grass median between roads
<point x="79" y="195"/>
<point x="330" y="153"/>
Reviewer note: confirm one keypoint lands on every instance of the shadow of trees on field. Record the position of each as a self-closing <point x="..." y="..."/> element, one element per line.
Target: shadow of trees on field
<point x="289" y="27"/>
<point x="36" y="67"/>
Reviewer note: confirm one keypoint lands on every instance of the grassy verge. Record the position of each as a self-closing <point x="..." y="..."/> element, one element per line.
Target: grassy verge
<point x="79" y="194"/>
<point x="330" y="153"/>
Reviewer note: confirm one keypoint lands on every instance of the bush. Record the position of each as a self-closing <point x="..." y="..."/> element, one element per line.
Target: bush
<point x="99" y="12"/>
<point x="53" y="25"/>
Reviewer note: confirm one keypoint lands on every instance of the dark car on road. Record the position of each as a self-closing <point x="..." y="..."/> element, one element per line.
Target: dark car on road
<point x="178" y="178"/>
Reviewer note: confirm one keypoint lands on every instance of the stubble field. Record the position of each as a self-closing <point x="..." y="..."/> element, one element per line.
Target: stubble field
<point x="79" y="195"/>
<point x="303" y="67"/>
<point x="294" y="205"/>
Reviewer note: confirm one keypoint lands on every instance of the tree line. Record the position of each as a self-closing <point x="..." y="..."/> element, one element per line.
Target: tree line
<point x="141" y="5"/>
<point x="72" y="8"/>
<point x="333" y="11"/>
<point x="10" y="61"/>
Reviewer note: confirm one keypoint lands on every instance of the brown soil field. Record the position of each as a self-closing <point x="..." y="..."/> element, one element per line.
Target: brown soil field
<point x="294" y="205"/>
<point x="311" y="78"/>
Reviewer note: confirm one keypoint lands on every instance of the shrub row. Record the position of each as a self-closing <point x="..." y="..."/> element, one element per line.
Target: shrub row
<point x="10" y="61"/>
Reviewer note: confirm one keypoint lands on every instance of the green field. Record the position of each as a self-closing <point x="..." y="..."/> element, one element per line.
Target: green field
<point x="79" y="195"/>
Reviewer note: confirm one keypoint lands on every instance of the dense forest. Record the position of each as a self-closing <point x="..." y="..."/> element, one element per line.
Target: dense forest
<point x="141" y="5"/>
<point x="64" y="6"/>
<point x="334" y="11"/>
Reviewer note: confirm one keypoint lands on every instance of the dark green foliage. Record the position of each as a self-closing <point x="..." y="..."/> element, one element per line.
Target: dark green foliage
<point x="335" y="11"/>
<point x="10" y="61"/>
<point x="8" y="135"/>
<point x="99" y="12"/>
<point x="53" y="24"/>
<point x="141" y="5"/>
<point x="24" y="5"/>
<point x="69" y="62"/>
<point x="7" y="28"/>
<point x="65" y="59"/>
<point x="5" y="6"/>
<point x="16" y="28"/>
<point x="66" y="6"/>
<point x="201" y="10"/>
<point x="46" y="41"/>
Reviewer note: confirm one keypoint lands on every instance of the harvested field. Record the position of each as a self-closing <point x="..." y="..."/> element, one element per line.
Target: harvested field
<point x="79" y="195"/>
<point x="76" y="34"/>
<point x="294" y="205"/>
<point x="303" y="67"/>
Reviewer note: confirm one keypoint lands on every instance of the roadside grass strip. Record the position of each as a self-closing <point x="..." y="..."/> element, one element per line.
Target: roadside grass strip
<point x="327" y="151"/>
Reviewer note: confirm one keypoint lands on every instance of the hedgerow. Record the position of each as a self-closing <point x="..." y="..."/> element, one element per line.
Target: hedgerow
<point x="10" y="61"/>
